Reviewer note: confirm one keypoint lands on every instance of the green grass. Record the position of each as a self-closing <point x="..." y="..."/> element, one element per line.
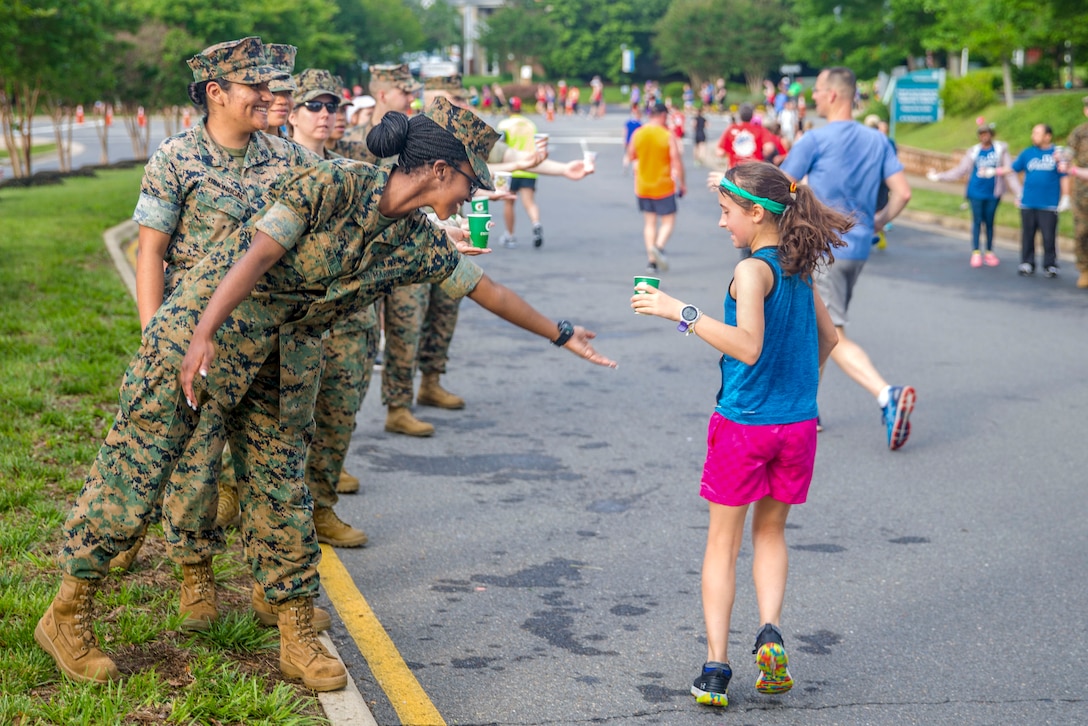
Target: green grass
<point x="67" y="330"/>
<point x="951" y="205"/>
<point x="35" y="149"/>
<point x="1063" y="111"/>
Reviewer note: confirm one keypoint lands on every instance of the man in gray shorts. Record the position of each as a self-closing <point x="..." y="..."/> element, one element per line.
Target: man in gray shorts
<point x="845" y="162"/>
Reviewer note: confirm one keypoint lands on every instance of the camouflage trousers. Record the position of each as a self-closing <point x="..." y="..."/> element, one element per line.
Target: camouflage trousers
<point x="404" y="308"/>
<point x="145" y="445"/>
<point x="1080" y="224"/>
<point x="349" y="352"/>
<point x="438" y="324"/>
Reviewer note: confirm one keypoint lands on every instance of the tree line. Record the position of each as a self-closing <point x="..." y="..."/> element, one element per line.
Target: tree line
<point x="55" y="54"/>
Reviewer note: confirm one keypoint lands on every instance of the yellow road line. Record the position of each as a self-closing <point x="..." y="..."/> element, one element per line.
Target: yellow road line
<point x="390" y="671"/>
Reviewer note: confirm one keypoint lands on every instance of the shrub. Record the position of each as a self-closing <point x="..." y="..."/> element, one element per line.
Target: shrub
<point x="969" y="94"/>
<point x="1036" y="75"/>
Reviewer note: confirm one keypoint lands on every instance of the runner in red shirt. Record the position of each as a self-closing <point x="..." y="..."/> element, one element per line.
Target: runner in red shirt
<point x="744" y="141"/>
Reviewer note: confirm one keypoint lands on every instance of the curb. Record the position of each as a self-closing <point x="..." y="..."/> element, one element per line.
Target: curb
<point x="345" y="707"/>
<point x="1005" y="237"/>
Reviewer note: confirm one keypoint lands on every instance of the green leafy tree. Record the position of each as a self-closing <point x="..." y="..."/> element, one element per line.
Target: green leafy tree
<point x="708" y="38"/>
<point x="377" y="31"/>
<point x="573" y="38"/>
<point x="51" y="49"/>
<point x="520" y="32"/>
<point x="864" y="35"/>
<point x="311" y="25"/>
<point x="992" y="28"/>
<point x="440" y="23"/>
<point x="591" y="34"/>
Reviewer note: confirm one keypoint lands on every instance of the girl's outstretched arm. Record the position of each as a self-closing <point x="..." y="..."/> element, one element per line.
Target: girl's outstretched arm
<point x="238" y="283"/>
<point x="752" y="281"/>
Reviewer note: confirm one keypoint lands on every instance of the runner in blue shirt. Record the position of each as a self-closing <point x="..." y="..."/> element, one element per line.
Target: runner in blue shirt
<point x="845" y="162"/>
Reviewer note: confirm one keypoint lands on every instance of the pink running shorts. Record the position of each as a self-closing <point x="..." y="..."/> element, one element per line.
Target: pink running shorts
<point x="747" y="463"/>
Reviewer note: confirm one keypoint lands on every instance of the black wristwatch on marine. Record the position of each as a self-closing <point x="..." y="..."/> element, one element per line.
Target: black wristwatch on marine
<point x="566" y="330"/>
<point x="688" y="317"/>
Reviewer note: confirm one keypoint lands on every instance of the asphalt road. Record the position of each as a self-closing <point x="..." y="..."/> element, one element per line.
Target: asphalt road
<point x="537" y="561"/>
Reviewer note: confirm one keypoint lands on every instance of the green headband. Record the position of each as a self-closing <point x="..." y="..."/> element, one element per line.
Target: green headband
<point x="769" y="204"/>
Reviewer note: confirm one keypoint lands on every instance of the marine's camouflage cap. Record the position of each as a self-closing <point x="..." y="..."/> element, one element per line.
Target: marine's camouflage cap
<point x="398" y="75"/>
<point x="283" y="57"/>
<point x="241" y="61"/>
<point x="450" y="84"/>
<point x="472" y="131"/>
<point x="314" y="82"/>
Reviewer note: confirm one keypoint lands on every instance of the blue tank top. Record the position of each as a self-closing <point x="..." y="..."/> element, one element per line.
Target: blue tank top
<point x="781" y="387"/>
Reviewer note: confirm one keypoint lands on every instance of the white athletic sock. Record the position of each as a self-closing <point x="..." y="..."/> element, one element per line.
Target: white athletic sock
<point x="884" y="396"/>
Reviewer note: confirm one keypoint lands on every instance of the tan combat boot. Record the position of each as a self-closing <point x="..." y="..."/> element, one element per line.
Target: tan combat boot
<point x="302" y="655"/>
<point x="123" y="560"/>
<point x="347" y="484"/>
<point x="66" y="633"/>
<point x="199" y="604"/>
<point x="227" y="514"/>
<point x="431" y="393"/>
<point x="401" y="421"/>
<point x="266" y="611"/>
<point x="331" y="530"/>
<point x="1082" y="281"/>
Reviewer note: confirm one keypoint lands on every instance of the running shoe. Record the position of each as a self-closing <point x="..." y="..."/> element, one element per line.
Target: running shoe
<point x="772" y="661"/>
<point x="538" y="234"/>
<point x="1050" y="271"/>
<point x="651" y="267"/>
<point x="1025" y="269"/>
<point x="709" y="688"/>
<point x="897" y="415"/>
<point x="659" y="257"/>
<point x="991" y="260"/>
<point x="508" y="240"/>
<point x="976" y="259"/>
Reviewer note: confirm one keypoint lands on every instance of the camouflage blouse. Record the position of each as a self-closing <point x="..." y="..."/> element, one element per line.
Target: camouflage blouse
<point x="193" y="191"/>
<point x="342" y="254"/>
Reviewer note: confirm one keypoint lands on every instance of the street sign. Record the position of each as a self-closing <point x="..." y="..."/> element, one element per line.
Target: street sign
<point x="790" y="69"/>
<point x="917" y="100"/>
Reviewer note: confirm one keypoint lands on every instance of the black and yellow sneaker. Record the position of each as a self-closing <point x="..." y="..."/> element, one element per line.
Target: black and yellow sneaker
<point x="709" y="688"/>
<point x="772" y="661"/>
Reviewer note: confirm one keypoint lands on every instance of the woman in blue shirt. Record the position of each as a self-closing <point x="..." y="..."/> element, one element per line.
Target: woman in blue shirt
<point x="984" y="188"/>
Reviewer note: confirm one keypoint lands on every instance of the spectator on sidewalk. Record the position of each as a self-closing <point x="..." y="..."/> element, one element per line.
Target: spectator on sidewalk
<point x="984" y="188"/>
<point x="1045" y="193"/>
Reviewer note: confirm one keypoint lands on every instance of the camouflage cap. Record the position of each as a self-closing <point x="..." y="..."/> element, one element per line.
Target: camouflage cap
<point x="396" y="75"/>
<point x="283" y="57"/>
<point x="472" y="131"/>
<point x="450" y="84"/>
<point x="241" y="61"/>
<point x="314" y="82"/>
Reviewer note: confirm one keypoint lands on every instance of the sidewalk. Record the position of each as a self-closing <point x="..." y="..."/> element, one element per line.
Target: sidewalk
<point x="1004" y="237"/>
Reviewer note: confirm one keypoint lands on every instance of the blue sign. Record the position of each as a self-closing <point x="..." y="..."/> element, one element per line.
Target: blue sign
<point x="628" y="62"/>
<point x="917" y="99"/>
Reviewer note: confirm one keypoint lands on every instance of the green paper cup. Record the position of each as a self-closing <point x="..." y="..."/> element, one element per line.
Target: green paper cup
<point x="480" y="205"/>
<point x="479" y="229"/>
<point x="651" y="281"/>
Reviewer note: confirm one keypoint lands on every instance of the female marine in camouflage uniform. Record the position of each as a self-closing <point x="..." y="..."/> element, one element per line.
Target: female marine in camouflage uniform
<point x="198" y="188"/>
<point x="351" y="345"/>
<point x="341" y="234"/>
